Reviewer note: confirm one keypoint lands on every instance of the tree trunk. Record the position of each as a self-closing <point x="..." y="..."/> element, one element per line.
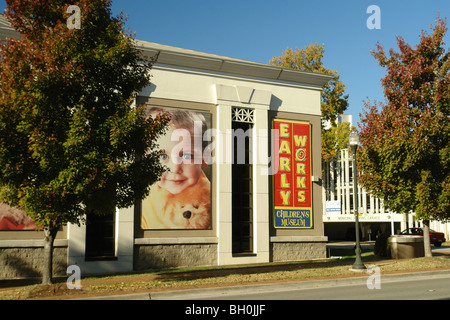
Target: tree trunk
<point x="426" y="238"/>
<point x="49" y="239"/>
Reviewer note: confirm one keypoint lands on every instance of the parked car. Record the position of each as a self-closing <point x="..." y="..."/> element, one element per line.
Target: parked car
<point x="436" y="238"/>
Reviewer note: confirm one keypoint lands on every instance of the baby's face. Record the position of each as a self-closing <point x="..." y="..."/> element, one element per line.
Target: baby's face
<point x="184" y="163"/>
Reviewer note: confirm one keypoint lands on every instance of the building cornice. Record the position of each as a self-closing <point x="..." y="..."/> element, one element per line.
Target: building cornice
<point x="175" y="56"/>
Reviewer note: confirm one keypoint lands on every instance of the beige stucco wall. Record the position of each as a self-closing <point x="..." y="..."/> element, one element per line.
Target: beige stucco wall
<point x="270" y="98"/>
<point x="189" y="79"/>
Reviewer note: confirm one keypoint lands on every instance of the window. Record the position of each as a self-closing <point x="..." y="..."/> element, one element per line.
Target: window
<point x="242" y="184"/>
<point x="100" y="236"/>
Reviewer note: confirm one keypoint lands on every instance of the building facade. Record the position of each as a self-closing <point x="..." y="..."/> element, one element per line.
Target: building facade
<point x="338" y="208"/>
<point x="374" y="218"/>
<point x="247" y="192"/>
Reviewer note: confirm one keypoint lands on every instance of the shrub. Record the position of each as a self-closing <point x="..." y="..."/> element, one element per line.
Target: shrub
<point x="381" y="248"/>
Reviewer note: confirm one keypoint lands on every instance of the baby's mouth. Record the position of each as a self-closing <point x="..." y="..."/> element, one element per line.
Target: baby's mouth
<point x="176" y="181"/>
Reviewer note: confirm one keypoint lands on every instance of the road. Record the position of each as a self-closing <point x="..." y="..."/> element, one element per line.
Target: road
<point x="347" y="248"/>
<point x="420" y="286"/>
<point x="439" y="251"/>
<point x="421" y="289"/>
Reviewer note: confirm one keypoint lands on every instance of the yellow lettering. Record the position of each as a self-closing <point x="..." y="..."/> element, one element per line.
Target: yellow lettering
<point x="284" y="130"/>
<point x="301" y="196"/>
<point x="284" y="148"/>
<point x="301" y="182"/>
<point x="300" y="141"/>
<point x="301" y="168"/>
<point x="285" y="196"/>
<point x="284" y="183"/>
<point x="285" y="164"/>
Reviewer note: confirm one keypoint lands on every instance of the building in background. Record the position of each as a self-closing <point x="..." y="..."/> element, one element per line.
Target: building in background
<point x="374" y="217"/>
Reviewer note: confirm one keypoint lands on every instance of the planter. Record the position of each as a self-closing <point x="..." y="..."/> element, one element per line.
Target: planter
<point x="404" y="247"/>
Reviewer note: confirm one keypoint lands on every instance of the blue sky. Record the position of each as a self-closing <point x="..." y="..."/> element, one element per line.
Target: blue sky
<point x="257" y="30"/>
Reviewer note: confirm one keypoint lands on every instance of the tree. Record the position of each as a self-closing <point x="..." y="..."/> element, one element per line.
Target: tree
<point x="334" y="101"/>
<point x="405" y="154"/>
<point x="70" y="142"/>
<point x="335" y="138"/>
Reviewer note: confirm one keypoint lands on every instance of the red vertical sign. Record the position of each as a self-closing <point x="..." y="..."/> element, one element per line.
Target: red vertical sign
<point x="292" y="181"/>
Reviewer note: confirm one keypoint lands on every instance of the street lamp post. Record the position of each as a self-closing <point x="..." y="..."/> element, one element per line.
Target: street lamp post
<point x="353" y="141"/>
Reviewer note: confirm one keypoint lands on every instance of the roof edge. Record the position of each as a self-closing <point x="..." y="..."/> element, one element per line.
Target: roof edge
<point x="200" y="60"/>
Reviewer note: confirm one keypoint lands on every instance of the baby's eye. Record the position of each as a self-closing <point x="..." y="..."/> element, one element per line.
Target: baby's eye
<point x="163" y="156"/>
<point x="187" y="156"/>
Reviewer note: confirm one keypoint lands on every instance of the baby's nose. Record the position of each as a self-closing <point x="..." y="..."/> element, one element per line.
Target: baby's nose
<point x="187" y="214"/>
<point x="174" y="167"/>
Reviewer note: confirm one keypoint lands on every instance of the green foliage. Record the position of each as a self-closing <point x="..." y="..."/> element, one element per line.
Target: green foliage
<point x="335" y="138"/>
<point x="69" y="141"/>
<point x="309" y="59"/>
<point x="334" y="101"/>
<point x="405" y="141"/>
